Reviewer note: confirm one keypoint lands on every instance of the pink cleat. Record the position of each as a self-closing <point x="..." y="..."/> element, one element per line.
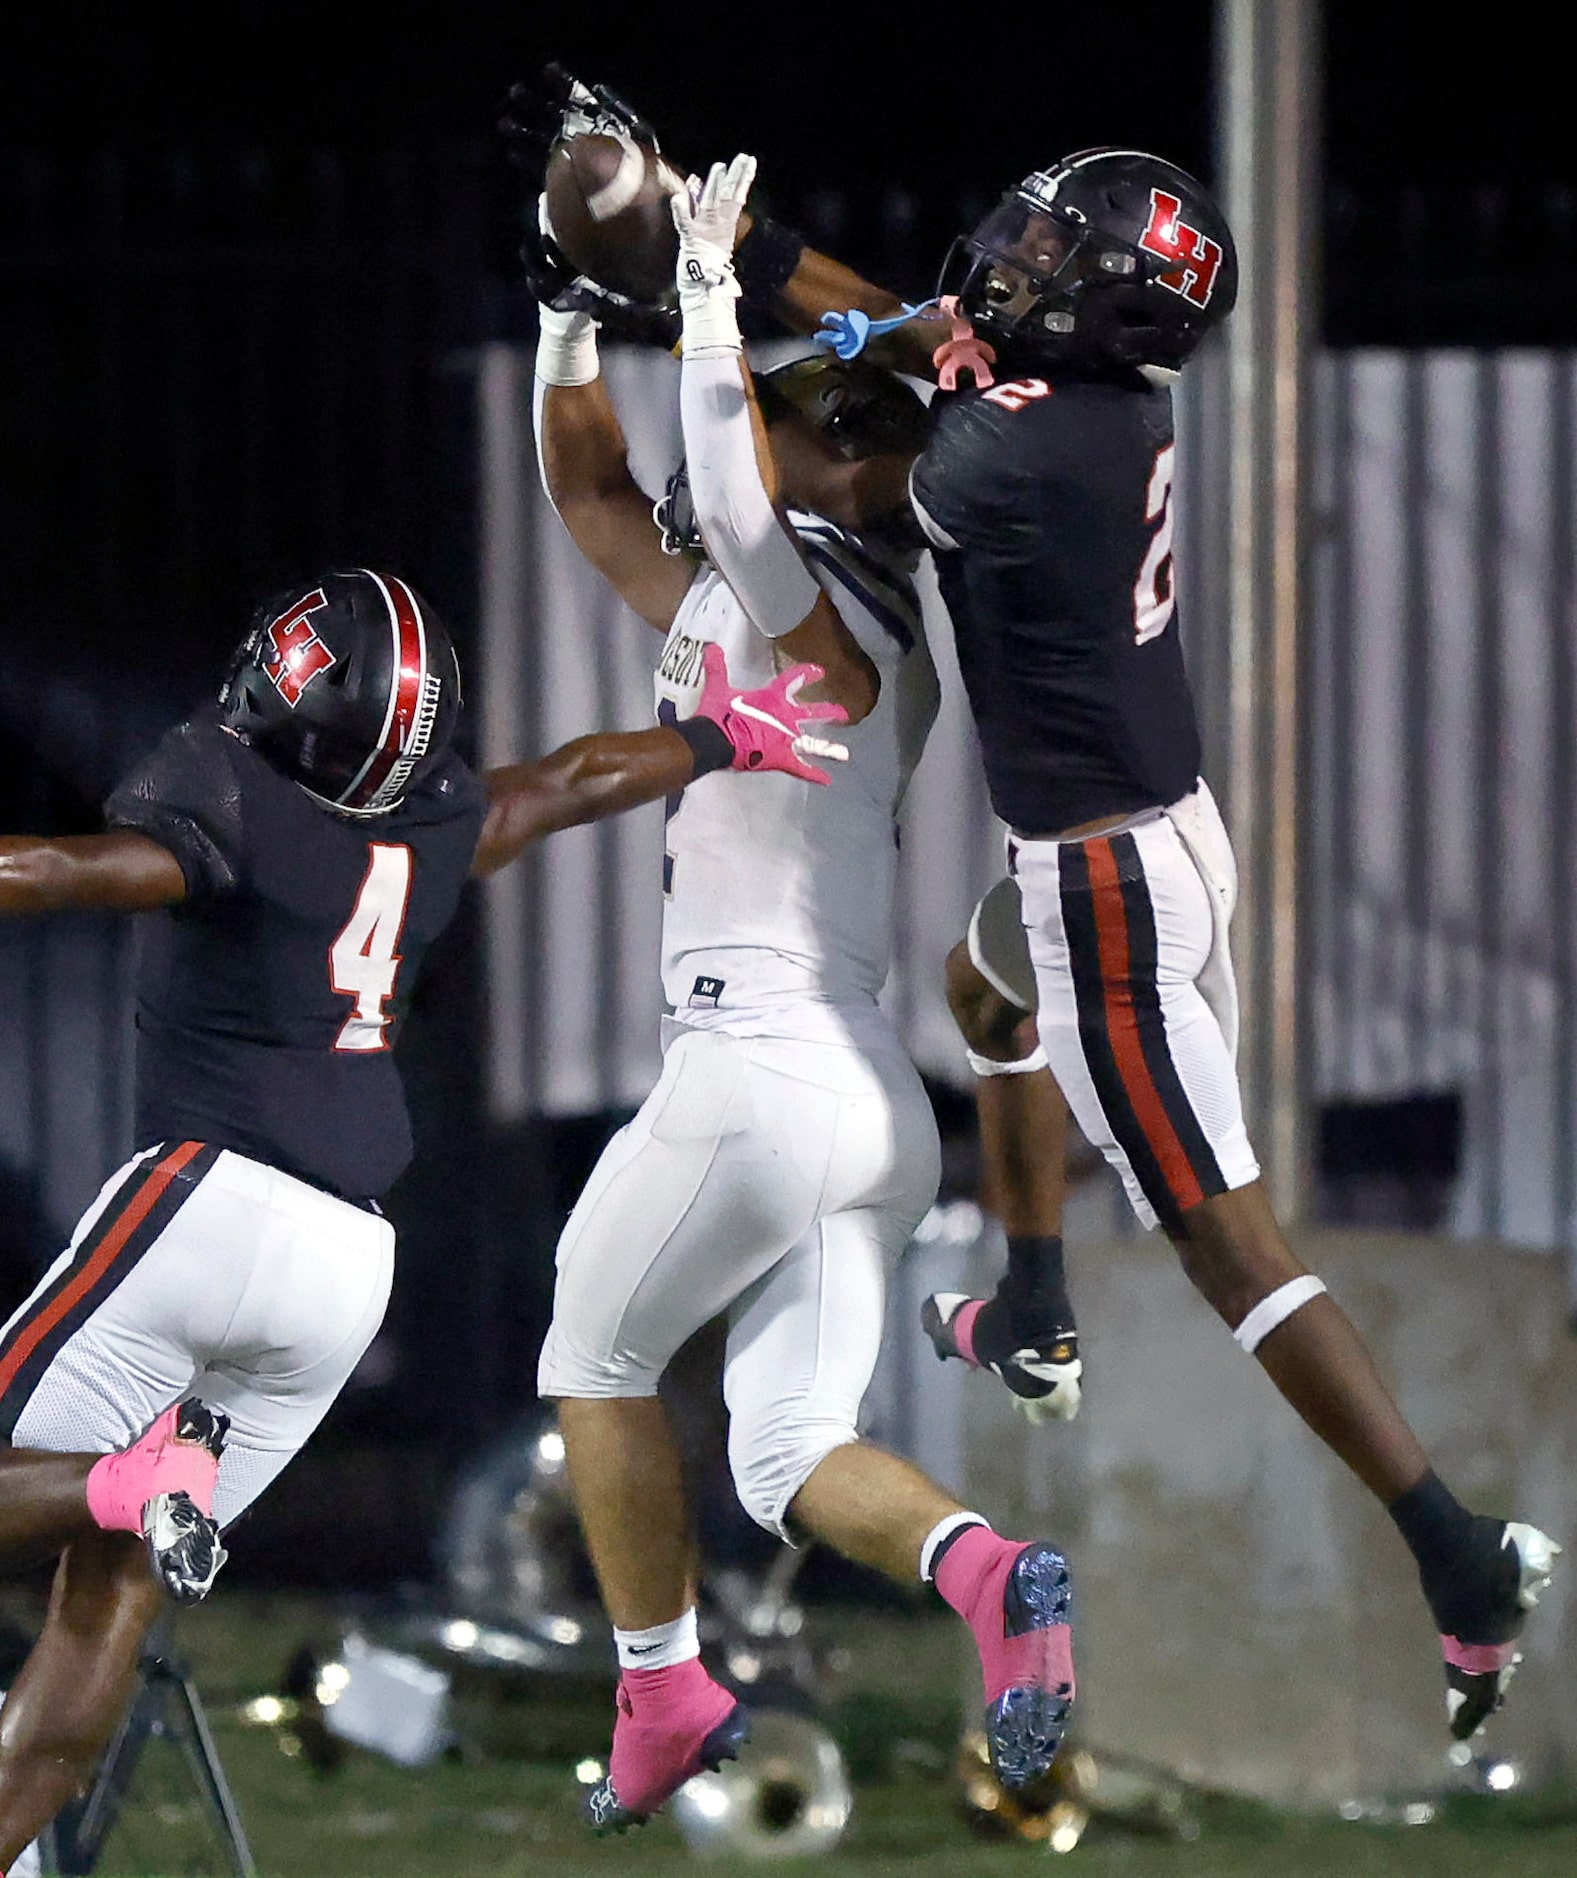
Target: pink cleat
<point x="1017" y="1599"/>
<point x="162" y="1486"/>
<point x="671" y="1724"/>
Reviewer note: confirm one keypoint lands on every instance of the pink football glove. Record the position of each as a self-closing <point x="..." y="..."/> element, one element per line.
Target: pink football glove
<point x="766" y="726"/>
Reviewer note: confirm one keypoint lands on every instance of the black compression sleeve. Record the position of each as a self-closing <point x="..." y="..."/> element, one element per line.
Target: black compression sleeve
<point x="764" y="262"/>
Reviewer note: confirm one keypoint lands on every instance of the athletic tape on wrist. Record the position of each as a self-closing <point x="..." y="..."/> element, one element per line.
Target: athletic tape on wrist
<point x="566" y="347"/>
<point x="1276" y="1309"/>
<point x="745" y="541"/>
<point x="1020" y="1066"/>
<point x="711" y="324"/>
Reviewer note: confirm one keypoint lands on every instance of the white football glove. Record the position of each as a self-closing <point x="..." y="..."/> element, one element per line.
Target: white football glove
<point x="706" y="216"/>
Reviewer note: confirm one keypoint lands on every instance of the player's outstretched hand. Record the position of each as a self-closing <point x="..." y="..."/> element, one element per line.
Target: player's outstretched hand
<point x="558" y="105"/>
<point x="768" y="727"/>
<point x="706" y="216"/>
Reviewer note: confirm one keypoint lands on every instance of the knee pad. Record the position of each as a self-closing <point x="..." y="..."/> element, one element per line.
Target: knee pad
<point x="771" y="1460"/>
<point x="999" y="946"/>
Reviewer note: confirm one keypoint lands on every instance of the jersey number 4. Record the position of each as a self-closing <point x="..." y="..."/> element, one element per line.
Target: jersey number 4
<point x="363" y="963"/>
<point x="1154" y="600"/>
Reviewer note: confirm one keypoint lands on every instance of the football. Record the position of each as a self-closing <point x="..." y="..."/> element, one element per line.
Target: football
<point x="607" y="202"/>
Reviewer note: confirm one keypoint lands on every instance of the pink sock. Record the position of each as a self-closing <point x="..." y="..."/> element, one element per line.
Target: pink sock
<point x="963" y="1328"/>
<point x="1477" y="1659"/>
<point x="120" y="1485"/>
<point x="972" y="1577"/>
<point x="975" y="1568"/>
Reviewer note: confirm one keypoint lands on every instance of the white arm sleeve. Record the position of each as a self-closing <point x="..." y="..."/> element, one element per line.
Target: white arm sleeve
<point x="745" y="541"/>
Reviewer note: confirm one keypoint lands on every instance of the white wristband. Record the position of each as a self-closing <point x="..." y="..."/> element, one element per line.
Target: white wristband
<point x="711" y="324"/>
<point x="566" y="347"/>
<point x="1276" y="1309"/>
<point x="1020" y="1066"/>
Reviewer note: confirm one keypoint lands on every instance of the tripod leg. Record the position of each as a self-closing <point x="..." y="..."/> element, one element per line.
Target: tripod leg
<point x="203" y="1758"/>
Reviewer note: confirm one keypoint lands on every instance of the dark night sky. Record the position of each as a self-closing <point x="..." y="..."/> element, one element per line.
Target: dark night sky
<point x="946" y="119"/>
<point x="1407" y="97"/>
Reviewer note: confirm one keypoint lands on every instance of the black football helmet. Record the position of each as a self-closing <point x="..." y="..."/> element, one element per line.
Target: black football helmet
<point x="863" y="409"/>
<point x="349" y="685"/>
<point x="1110" y="257"/>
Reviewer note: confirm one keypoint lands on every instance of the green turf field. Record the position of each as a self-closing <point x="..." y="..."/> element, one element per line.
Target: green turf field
<point x="507" y="1807"/>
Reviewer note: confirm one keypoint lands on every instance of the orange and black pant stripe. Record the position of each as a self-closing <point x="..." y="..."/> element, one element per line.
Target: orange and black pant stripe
<point x="148" y="1198"/>
<point x="1109" y="922"/>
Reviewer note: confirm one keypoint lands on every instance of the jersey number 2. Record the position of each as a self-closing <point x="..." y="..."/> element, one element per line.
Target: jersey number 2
<point x="1154" y="600"/>
<point x="362" y="961"/>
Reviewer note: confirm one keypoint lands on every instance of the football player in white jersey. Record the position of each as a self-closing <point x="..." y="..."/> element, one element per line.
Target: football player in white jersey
<point x="788" y="1151"/>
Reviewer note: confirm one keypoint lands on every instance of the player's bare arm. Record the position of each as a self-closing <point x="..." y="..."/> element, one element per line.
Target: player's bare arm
<point x="585" y="781"/>
<point x="769" y="729"/>
<point x="734" y="478"/>
<point x="586" y="471"/>
<point x="819" y="284"/>
<point x="119" y="872"/>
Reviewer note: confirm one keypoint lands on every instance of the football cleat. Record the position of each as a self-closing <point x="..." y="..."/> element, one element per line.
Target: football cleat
<point x="178" y="1452"/>
<point x="656" y="1752"/>
<point x="1042" y="1377"/>
<point x="1029" y="1677"/>
<point x="1477" y="1674"/>
<point x="183" y="1545"/>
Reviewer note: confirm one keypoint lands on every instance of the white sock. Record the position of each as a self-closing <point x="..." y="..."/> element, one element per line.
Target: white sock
<point x="660" y="1647"/>
<point x="941" y="1531"/>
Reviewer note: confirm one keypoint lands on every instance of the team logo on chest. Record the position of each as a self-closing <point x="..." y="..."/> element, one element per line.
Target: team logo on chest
<point x="293" y="654"/>
<point x="1198" y="257"/>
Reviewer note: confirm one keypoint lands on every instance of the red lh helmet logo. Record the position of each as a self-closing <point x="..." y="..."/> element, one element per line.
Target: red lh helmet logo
<point x="1197" y="256"/>
<point x="293" y="654"/>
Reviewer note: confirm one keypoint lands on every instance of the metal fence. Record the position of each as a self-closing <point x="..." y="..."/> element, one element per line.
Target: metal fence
<point x="1438" y="781"/>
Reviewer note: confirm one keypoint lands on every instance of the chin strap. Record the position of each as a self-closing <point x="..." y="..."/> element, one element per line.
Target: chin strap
<point x="847" y="334"/>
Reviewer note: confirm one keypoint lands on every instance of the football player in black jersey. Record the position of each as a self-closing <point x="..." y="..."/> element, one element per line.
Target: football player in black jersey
<point x="302" y="845"/>
<point x="1046" y="495"/>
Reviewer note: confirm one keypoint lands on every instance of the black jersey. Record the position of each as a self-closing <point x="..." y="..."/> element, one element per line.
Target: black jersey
<point x="1050" y="510"/>
<point x="268" y="999"/>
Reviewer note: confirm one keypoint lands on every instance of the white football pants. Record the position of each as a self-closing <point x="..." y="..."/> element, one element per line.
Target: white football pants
<point x="1137" y="1005"/>
<point x="198" y="1272"/>
<point x="775" y="1181"/>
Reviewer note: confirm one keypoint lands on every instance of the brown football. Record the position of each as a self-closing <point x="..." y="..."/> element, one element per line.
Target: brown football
<point x="607" y="200"/>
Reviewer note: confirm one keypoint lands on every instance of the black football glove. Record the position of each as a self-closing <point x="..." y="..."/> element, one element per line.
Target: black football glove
<point x="553" y="281"/>
<point x="559" y="107"/>
<point x="538" y="117"/>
